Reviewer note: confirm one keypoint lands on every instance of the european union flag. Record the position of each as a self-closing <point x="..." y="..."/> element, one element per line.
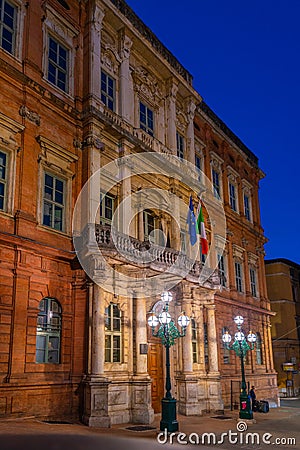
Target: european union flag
<point x="191" y="221"/>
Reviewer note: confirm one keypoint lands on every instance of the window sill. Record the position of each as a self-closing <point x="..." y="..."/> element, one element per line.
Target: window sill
<point x="52" y="230"/>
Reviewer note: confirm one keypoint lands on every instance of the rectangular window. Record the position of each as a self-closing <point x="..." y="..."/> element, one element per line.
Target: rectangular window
<point x="107" y="208"/>
<point x="146" y="119"/>
<point x="216" y="183"/>
<point x="180" y="145"/>
<point x="8" y="14"/>
<point x="108" y="91"/>
<point x="3" y="179"/>
<point x="247" y="207"/>
<point x="253" y="282"/>
<point x="198" y="162"/>
<point x="53" y="202"/>
<point x="194" y="341"/>
<point x="221" y="266"/>
<point x="238" y="276"/>
<point x="112" y="333"/>
<point x="57" y="64"/>
<point x="205" y="342"/>
<point x="48" y="332"/>
<point x="232" y="197"/>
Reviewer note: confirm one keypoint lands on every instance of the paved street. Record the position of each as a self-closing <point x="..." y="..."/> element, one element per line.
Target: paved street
<point x="279" y="424"/>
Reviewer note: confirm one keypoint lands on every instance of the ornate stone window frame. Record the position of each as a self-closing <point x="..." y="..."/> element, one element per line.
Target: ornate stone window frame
<point x="55" y="160"/>
<point x="148" y="91"/>
<point x="110" y="63"/>
<point x="64" y="33"/>
<point x="253" y="262"/>
<point x="216" y="165"/>
<point x="9" y="128"/>
<point x="180" y="145"/>
<point x="19" y="30"/>
<point x="232" y="177"/>
<point x="247" y="190"/>
<point x="238" y="257"/>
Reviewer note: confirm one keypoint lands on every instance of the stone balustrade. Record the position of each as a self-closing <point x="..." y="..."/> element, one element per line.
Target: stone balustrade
<point x="148" y="255"/>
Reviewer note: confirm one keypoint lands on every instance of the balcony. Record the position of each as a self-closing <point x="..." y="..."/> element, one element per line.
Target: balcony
<point x="136" y="253"/>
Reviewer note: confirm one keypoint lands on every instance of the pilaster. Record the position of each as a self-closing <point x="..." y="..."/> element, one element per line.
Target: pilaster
<point x="126" y="94"/>
<point x="171" y="114"/>
<point x="95" y="384"/>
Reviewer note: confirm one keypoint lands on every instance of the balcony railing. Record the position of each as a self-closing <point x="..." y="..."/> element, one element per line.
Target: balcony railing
<point x="155" y="257"/>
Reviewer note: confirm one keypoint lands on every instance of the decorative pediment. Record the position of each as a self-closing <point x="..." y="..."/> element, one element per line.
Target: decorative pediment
<point x="253" y="259"/>
<point x="237" y="252"/>
<point x="215" y="161"/>
<point x="247" y="188"/>
<point x="8" y="130"/>
<point x="147" y="85"/>
<point x="110" y="59"/>
<point x="55" y="156"/>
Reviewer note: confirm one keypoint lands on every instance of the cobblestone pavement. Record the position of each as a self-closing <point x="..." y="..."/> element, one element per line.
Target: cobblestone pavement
<point x="276" y="427"/>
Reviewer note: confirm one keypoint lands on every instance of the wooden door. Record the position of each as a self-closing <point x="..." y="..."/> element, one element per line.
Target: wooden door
<point x="155" y="370"/>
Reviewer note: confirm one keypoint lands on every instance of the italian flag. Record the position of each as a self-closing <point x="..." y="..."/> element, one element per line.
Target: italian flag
<point x="201" y="230"/>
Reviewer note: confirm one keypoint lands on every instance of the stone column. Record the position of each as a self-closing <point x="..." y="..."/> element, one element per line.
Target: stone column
<point x="200" y="339"/>
<point x="171" y="115"/>
<point x="126" y="94"/>
<point x="269" y="337"/>
<point x="98" y="333"/>
<point x="125" y="210"/>
<point x="187" y="342"/>
<point x="212" y="340"/>
<point x="140" y="336"/>
<point x="214" y="391"/>
<point x="140" y="225"/>
<point x="92" y="46"/>
<point x="265" y="344"/>
<point x="96" y="385"/>
<point x="191" y="107"/>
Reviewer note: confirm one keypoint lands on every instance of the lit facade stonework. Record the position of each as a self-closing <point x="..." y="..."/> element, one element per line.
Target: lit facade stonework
<point x="284" y="293"/>
<point x="84" y="83"/>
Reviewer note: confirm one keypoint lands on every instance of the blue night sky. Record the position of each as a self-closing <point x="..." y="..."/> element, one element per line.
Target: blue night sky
<point x="245" y="60"/>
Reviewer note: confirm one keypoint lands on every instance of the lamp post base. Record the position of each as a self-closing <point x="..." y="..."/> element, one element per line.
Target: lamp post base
<point x="168" y="415"/>
<point x="245" y="407"/>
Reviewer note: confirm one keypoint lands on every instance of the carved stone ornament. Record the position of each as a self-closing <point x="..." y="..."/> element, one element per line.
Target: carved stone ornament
<point x="253" y="259"/>
<point x="126" y="44"/>
<point x="30" y="115"/>
<point x="110" y="59"/>
<point x="146" y="84"/>
<point x="93" y="141"/>
<point x="97" y="17"/>
<point x="237" y="252"/>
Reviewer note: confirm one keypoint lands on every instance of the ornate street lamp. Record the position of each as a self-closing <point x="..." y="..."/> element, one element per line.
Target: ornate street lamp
<point x="168" y="333"/>
<point x="241" y="347"/>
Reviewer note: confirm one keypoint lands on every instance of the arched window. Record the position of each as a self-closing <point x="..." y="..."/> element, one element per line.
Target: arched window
<point x="112" y="333"/>
<point x="48" y="331"/>
<point x="259" y="359"/>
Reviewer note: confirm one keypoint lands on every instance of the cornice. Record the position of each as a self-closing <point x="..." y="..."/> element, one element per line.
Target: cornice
<point x="224" y="128"/>
<point x="157" y="45"/>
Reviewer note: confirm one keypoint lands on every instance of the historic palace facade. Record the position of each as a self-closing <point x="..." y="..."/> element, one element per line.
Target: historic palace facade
<point x="88" y="92"/>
